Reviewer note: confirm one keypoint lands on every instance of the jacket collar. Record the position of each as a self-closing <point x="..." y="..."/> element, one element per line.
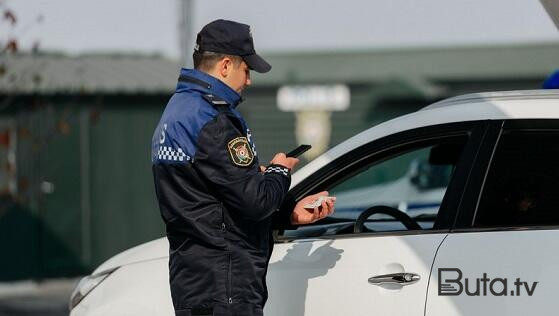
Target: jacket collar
<point x="196" y="80"/>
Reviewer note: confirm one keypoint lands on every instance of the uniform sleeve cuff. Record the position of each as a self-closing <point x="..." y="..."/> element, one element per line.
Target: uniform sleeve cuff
<point x="284" y="171"/>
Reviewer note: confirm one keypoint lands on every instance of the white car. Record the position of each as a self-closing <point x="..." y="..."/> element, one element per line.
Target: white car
<point x="451" y="210"/>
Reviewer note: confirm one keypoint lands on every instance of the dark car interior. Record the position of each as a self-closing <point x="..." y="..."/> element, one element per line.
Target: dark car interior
<point x="522" y="187"/>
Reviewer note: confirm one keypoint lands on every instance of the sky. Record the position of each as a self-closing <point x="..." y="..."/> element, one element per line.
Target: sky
<point x="147" y="26"/>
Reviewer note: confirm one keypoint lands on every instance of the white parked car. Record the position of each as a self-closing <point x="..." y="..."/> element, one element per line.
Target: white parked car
<point x="451" y="210"/>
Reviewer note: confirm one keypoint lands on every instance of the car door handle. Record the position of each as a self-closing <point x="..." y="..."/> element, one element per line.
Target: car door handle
<point x="395" y="278"/>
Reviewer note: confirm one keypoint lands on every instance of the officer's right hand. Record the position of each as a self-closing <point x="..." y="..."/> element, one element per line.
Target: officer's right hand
<point x="282" y="160"/>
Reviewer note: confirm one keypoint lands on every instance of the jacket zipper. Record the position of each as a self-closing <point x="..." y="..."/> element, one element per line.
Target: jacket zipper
<point x="229" y="267"/>
<point x="230" y="299"/>
<point x="222" y="217"/>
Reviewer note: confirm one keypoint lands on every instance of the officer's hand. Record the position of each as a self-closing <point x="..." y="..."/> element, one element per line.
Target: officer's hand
<point x="282" y="160"/>
<point x="301" y="215"/>
<point x="262" y="168"/>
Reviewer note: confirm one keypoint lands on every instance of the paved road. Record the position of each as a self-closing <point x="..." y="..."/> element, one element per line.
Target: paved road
<point x="33" y="306"/>
<point x="32" y="298"/>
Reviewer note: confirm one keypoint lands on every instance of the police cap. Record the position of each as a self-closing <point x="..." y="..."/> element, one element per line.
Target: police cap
<point x="231" y="38"/>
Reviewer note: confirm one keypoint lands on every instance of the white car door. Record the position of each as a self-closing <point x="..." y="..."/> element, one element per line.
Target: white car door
<point x="502" y="259"/>
<point x="331" y="277"/>
<point x="356" y="264"/>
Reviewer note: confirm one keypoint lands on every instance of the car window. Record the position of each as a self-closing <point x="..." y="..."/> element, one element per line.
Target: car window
<point x="522" y="185"/>
<point x="392" y="193"/>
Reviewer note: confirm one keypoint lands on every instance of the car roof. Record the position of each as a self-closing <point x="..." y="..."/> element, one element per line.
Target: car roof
<point x="496" y="96"/>
<point x="521" y="104"/>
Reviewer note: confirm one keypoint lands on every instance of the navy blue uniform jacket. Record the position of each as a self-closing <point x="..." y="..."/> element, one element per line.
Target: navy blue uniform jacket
<point x="217" y="206"/>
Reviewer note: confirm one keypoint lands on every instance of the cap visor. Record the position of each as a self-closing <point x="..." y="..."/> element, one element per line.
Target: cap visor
<point x="257" y="63"/>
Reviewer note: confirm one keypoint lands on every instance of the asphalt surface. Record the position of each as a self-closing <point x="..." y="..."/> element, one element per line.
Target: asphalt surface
<point x="33" y="306"/>
<point x="31" y="298"/>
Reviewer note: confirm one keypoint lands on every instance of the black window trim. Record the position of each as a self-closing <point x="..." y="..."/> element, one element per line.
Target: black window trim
<point x="504" y="229"/>
<point x="476" y="179"/>
<point x="467" y="213"/>
<point x="281" y="239"/>
<point x="395" y="143"/>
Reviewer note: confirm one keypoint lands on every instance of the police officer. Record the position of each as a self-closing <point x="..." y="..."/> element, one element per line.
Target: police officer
<point x="218" y="204"/>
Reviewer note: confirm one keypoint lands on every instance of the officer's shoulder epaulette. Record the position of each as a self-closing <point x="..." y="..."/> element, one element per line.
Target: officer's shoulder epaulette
<point x="223" y="107"/>
<point x="217" y="102"/>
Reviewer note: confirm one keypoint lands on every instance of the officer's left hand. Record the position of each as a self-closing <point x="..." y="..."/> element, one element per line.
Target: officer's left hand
<point x="301" y="215"/>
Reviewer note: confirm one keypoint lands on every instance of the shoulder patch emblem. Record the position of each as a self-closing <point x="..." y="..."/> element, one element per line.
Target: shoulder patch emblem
<point x="240" y="152"/>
